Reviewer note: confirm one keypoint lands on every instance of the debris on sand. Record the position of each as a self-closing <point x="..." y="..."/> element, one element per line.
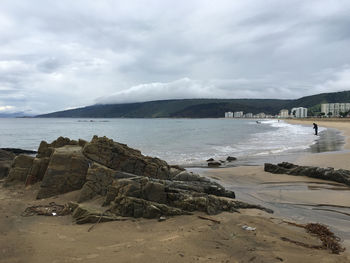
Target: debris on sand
<point x="52" y="209"/>
<point x="329" y="240"/>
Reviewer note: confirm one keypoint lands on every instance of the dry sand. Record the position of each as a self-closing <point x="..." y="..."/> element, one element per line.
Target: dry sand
<point x="178" y="239"/>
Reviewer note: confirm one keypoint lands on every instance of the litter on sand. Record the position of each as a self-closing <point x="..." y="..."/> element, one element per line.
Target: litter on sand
<point x="249" y="228"/>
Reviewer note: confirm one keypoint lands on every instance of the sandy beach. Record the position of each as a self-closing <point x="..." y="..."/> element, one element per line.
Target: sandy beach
<point x="190" y="238"/>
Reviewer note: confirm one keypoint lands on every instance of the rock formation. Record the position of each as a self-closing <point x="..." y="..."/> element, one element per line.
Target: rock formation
<point x="129" y="183"/>
<point x="6" y="159"/>
<point x="340" y="176"/>
<point x="20" y="169"/>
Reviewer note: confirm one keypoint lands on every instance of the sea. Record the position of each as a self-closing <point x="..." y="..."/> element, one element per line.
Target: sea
<point x="185" y="142"/>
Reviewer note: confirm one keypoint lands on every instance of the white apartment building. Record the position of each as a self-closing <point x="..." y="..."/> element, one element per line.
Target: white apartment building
<point x="229" y="114"/>
<point x="334" y="108"/>
<point x="284" y="113"/>
<point x="261" y="115"/>
<point x="299" y="112"/>
<point x="238" y="114"/>
<point x="249" y="115"/>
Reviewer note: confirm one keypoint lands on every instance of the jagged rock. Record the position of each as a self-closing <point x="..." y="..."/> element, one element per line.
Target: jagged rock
<point x="133" y="184"/>
<point x="174" y="171"/>
<point x="214" y="205"/>
<point x="38" y="170"/>
<point x="20" y="169"/>
<point x="136" y="207"/>
<point x="6" y="159"/>
<point x="163" y="191"/>
<point x="66" y="172"/>
<point x="46" y="149"/>
<point x="340" y="176"/>
<point x="188" y="176"/>
<point x="97" y="180"/>
<point x="151" y="198"/>
<point x="83" y="214"/>
<point x="210" y="160"/>
<point x="82" y="142"/>
<point x="214" y="164"/>
<point x="230" y="159"/>
<point x="119" y="156"/>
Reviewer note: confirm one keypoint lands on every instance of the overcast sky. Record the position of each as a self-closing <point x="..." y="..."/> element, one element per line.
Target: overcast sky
<point x="56" y="55"/>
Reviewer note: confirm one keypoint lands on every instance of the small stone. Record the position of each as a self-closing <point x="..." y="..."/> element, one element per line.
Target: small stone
<point x="230" y="159"/>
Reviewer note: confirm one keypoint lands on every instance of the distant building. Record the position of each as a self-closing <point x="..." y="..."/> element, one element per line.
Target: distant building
<point x="284" y="113"/>
<point x="334" y="109"/>
<point x="229" y="114"/>
<point x="238" y="114"/>
<point x="299" y="112"/>
<point x="249" y="115"/>
<point x="261" y="115"/>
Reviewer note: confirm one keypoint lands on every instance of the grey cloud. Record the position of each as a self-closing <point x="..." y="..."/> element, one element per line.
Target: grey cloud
<point x="73" y="53"/>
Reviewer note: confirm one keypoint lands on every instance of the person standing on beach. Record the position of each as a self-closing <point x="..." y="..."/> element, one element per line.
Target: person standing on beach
<point x="315" y="128"/>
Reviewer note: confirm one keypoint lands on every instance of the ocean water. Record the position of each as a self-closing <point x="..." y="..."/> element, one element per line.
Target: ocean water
<point x="187" y="142"/>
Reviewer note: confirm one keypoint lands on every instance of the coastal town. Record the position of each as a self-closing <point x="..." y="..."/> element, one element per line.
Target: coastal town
<point x="328" y="110"/>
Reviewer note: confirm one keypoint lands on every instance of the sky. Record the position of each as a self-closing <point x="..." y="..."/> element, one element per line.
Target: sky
<point x="57" y="55"/>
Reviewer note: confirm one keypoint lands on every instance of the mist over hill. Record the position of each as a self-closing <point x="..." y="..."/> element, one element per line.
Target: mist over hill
<point x="198" y="108"/>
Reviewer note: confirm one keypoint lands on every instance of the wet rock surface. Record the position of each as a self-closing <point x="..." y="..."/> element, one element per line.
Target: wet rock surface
<point x="340" y="176"/>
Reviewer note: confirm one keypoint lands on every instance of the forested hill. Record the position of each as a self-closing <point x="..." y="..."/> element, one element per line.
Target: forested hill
<point x="198" y="108"/>
<point x="188" y="108"/>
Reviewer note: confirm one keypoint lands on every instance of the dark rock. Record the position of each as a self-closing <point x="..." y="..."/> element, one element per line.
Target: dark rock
<point x="85" y="214"/>
<point x="214" y="164"/>
<point x="136" y="207"/>
<point x="38" y="170"/>
<point x="97" y="180"/>
<point x="340" y="176"/>
<point x="230" y="159"/>
<point x="66" y="172"/>
<point x="210" y="160"/>
<point x="46" y="149"/>
<point x="119" y="156"/>
<point x="151" y="198"/>
<point x="20" y="169"/>
<point x="6" y="156"/>
<point x="6" y="159"/>
<point x="18" y="151"/>
<point x="187" y="176"/>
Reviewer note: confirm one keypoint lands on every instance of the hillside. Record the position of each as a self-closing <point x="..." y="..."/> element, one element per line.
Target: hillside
<point x="198" y="108"/>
